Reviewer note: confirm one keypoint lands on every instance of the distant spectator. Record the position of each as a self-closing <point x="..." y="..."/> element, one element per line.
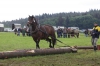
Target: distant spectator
<point x="61" y="32"/>
<point x="15" y="31"/>
<point x="86" y="32"/>
<point x="18" y="32"/>
<point x="23" y="32"/>
<point x="65" y="33"/>
<point x="58" y="33"/>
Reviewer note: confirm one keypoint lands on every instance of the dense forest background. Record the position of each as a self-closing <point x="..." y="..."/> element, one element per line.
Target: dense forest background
<point x="83" y="20"/>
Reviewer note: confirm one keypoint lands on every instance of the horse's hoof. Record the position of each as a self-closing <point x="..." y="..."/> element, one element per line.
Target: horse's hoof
<point x="37" y="48"/>
<point x="51" y="47"/>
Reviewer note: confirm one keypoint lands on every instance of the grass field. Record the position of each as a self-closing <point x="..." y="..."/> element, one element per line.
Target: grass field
<point x="9" y="41"/>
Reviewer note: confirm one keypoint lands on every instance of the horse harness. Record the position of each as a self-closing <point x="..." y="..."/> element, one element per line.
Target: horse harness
<point x="39" y="29"/>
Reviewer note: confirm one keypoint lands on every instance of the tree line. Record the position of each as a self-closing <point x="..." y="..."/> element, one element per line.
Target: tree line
<point x="83" y="20"/>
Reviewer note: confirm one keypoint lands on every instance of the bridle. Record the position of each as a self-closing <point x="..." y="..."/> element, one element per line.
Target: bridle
<point x="37" y="28"/>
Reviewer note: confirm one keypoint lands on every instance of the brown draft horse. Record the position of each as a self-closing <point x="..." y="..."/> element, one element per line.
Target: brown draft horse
<point x="73" y="33"/>
<point x="39" y="32"/>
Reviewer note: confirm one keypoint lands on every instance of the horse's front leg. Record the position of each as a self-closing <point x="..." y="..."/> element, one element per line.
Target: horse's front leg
<point x="37" y="44"/>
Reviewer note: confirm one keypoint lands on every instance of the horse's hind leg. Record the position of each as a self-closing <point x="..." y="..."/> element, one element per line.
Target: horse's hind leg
<point x="49" y="42"/>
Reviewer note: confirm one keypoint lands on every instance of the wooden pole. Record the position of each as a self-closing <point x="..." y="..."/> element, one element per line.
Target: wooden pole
<point x="34" y="52"/>
<point x="83" y="47"/>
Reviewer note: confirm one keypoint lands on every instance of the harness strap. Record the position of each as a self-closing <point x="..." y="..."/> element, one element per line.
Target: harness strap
<point x="44" y="31"/>
<point x="35" y="30"/>
<point x="38" y="29"/>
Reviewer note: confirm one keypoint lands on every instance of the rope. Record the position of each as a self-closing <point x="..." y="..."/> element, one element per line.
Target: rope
<point x="62" y="43"/>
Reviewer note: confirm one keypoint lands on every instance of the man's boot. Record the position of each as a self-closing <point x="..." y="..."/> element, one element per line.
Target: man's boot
<point x="95" y="48"/>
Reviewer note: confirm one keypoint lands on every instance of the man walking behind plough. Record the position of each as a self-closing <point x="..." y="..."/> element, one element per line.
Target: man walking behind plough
<point x="95" y="35"/>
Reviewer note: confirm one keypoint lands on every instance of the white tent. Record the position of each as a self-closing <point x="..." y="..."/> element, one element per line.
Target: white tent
<point x="17" y="26"/>
<point x="1" y="27"/>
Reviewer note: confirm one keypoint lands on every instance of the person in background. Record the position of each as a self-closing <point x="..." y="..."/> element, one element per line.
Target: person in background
<point x="58" y="33"/>
<point x="95" y="35"/>
<point x="23" y="32"/>
<point x="18" y="32"/>
<point x="61" y="32"/>
<point x="65" y="33"/>
<point x="86" y="32"/>
<point x="15" y="31"/>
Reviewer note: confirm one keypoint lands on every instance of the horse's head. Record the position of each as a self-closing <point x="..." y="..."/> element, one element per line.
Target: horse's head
<point x="32" y="20"/>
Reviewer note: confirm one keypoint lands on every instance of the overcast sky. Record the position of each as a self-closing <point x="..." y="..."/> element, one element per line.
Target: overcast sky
<point x="15" y="9"/>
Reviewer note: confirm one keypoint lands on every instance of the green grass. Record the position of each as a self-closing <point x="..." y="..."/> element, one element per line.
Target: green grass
<point x="9" y="41"/>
